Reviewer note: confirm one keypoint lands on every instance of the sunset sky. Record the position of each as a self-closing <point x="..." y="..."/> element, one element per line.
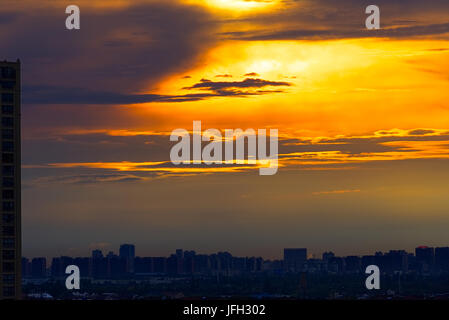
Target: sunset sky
<point x="363" y="120"/>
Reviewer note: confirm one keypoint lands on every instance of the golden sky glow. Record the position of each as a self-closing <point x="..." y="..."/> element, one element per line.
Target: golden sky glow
<point x="363" y="120"/>
<point x="337" y="87"/>
<point x="235" y="5"/>
<point x="360" y="89"/>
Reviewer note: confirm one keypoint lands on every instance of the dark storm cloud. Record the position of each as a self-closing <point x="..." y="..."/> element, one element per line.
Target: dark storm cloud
<point x="90" y="178"/>
<point x="326" y="19"/>
<point x="351" y="146"/>
<point x="121" y="51"/>
<point x="316" y="34"/>
<point x="48" y="95"/>
<point x="420" y="132"/>
<point x="92" y="147"/>
<point x="355" y="146"/>
<point x="413" y="135"/>
<point x="118" y="53"/>
<point x="61" y="95"/>
<point x="107" y="147"/>
<point x="251" y="74"/>
<point x="247" y="83"/>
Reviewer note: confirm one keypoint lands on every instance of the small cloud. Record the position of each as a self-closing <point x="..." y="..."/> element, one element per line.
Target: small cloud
<point x="247" y="83"/>
<point x="438" y="49"/>
<point x="116" y="43"/>
<point x="251" y="74"/>
<point x="335" y="192"/>
<point x="86" y="179"/>
<point x="223" y="76"/>
<point x="187" y="77"/>
<point x="420" y="132"/>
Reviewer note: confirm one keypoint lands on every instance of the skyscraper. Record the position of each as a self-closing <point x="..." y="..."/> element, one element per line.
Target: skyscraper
<point x="39" y="268"/>
<point x="425" y="256"/>
<point x="442" y="258"/>
<point x="10" y="244"/>
<point x="294" y="259"/>
<point x="127" y="252"/>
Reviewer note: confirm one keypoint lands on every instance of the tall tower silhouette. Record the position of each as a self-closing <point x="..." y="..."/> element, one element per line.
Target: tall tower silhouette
<point x="10" y="236"/>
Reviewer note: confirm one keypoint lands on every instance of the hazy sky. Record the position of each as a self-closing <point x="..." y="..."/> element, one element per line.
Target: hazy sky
<point x="363" y="119"/>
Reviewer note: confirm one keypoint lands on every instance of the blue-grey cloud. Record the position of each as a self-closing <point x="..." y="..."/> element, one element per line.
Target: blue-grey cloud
<point x="320" y="34"/>
<point x="328" y="19"/>
<point x="63" y="95"/>
<point x="122" y="51"/>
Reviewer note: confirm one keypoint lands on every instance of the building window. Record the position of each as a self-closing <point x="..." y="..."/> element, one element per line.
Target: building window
<point x="7" y="84"/>
<point x="8" y="243"/>
<point x="7" y="121"/>
<point x="8" y="231"/>
<point x="8" y="146"/>
<point x="7" y="109"/>
<point x="8" y="266"/>
<point x="9" y="291"/>
<point x="9" y="278"/>
<point x="8" y="206"/>
<point x="8" y="72"/>
<point x="7" y="158"/>
<point x="8" y="194"/>
<point x="7" y="98"/>
<point x="8" y="182"/>
<point x="8" y="218"/>
<point x="8" y="170"/>
<point x="7" y="134"/>
<point x="8" y="255"/>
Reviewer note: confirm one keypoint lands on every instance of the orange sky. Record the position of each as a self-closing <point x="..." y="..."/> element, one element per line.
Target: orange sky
<point x="362" y="118"/>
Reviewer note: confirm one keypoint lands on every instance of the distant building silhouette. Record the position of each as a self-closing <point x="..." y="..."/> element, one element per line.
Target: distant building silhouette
<point x="59" y="265"/>
<point x="442" y="258"/>
<point x="39" y="268"/>
<point x="328" y="255"/>
<point x="294" y="259"/>
<point x="26" y="268"/>
<point x="352" y="264"/>
<point x="97" y="254"/>
<point x="99" y="265"/>
<point x="425" y="257"/>
<point x="127" y="252"/>
<point x="83" y="264"/>
<point x="223" y="264"/>
<point x="117" y="267"/>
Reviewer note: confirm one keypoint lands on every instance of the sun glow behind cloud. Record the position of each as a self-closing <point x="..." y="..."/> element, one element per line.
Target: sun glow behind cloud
<point x="336" y="87"/>
<point x="235" y="5"/>
<point x="337" y="120"/>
